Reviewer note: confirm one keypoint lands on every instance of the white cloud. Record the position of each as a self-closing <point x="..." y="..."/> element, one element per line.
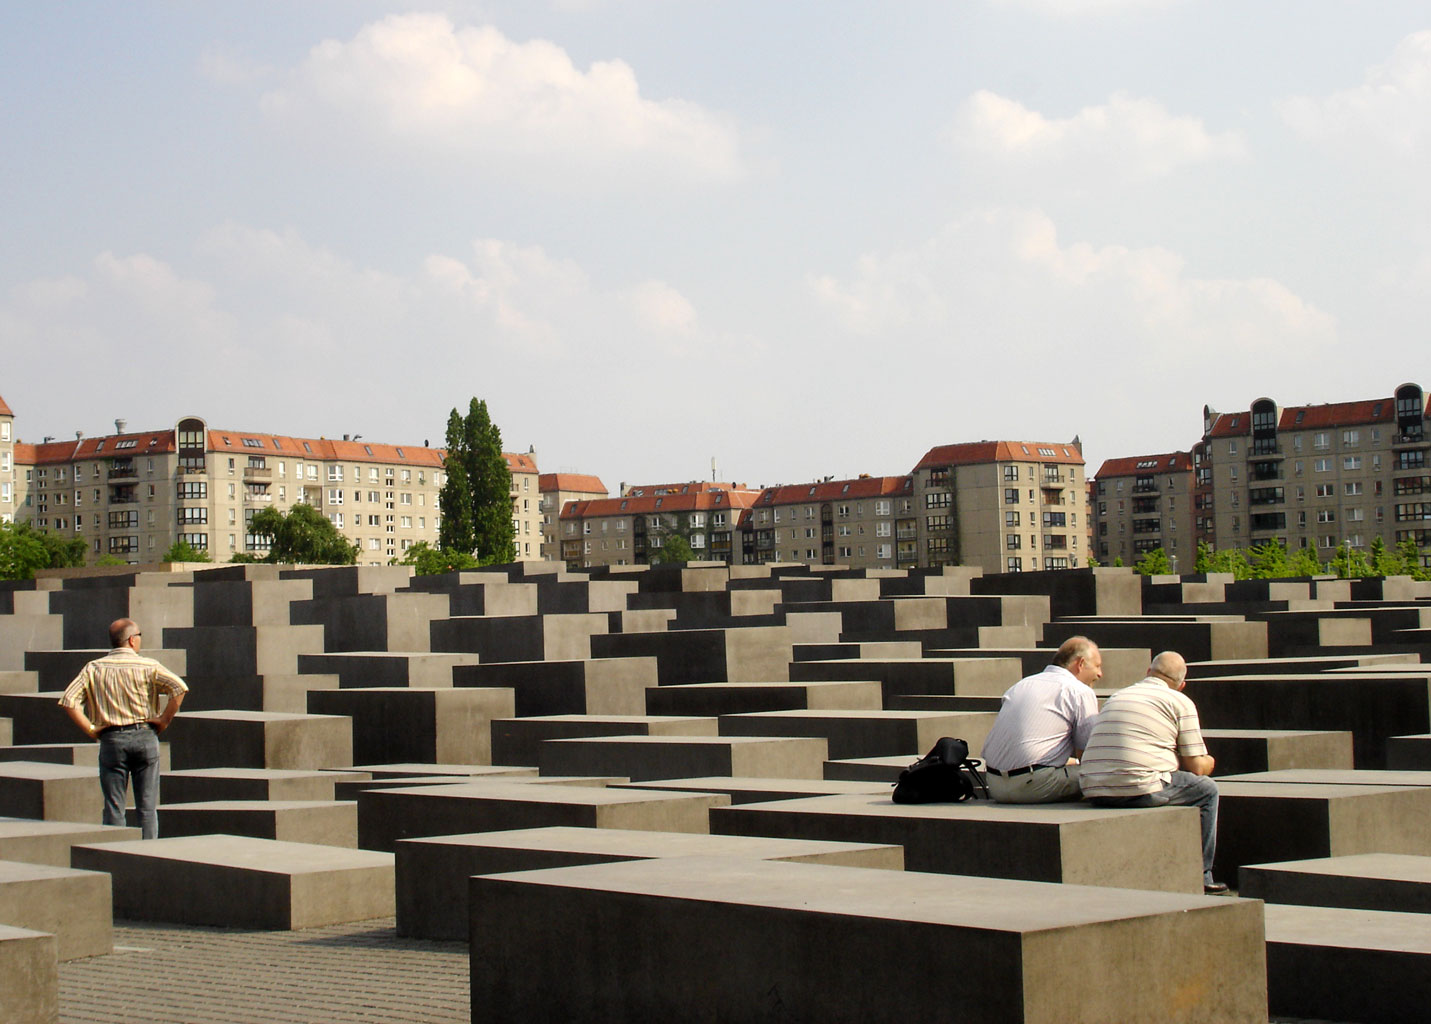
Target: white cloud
<point x="1127" y="137"/>
<point x="419" y="80"/>
<point x="1088" y="8"/>
<point x="1391" y="108"/>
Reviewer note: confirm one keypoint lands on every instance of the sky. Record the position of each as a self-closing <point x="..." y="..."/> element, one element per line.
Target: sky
<point x="798" y="238"/>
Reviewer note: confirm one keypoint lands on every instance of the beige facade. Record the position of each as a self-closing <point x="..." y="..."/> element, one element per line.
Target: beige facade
<point x="8" y="488"/>
<point x="1005" y="506"/>
<point x="631" y="529"/>
<point x="132" y="495"/>
<point x="1142" y="503"/>
<point x="833" y="522"/>
<point x="556" y="490"/>
<point x="1316" y="476"/>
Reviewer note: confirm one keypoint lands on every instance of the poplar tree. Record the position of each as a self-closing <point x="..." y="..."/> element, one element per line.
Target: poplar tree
<point x="477" y="495"/>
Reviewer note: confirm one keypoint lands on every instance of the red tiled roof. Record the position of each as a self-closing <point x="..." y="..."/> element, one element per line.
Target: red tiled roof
<point x="324" y="449"/>
<point x="1231" y="424"/>
<point x="700" y="501"/>
<point x="522" y="463"/>
<point x="685" y="487"/>
<point x="975" y="452"/>
<point x="1137" y="465"/>
<point x="4" y="409"/>
<point x="833" y="490"/>
<point x="578" y="482"/>
<point x="44" y="454"/>
<point x="1340" y="414"/>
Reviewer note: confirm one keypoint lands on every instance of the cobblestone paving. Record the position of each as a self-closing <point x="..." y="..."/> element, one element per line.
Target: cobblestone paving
<point x="190" y="975"/>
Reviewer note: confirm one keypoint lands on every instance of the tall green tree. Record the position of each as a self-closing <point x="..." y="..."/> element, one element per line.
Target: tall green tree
<point x="427" y="560"/>
<point x="303" y="535"/>
<point x="1268" y="560"/>
<point x="1304" y="562"/>
<point x="1349" y="563"/>
<point x="21" y="552"/>
<point x="1154" y="563"/>
<point x="477" y="494"/>
<point x="183" y="551"/>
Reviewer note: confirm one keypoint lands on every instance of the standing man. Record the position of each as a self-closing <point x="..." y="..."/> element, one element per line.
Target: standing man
<point x="121" y="693"/>
<point x="1147" y="750"/>
<point x="1043" y="725"/>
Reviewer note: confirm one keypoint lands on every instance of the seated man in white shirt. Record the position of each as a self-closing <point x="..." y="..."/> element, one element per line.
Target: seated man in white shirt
<point x="1043" y="725"/>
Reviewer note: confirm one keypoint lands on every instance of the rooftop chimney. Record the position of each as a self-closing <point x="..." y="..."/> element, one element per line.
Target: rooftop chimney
<point x="119" y="426"/>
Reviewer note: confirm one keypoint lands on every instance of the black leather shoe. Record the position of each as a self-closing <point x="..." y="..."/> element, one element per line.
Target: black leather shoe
<point x="1215" y="889"/>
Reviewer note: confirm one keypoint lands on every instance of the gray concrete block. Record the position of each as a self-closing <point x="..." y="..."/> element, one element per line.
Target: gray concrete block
<point x="1360" y="965"/>
<point x="1101" y="591"/>
<point x="432" y="873"/>
<point x="56" y="669"/>
<point x="260" y="739"/>
<point x="49" y="792"/>
<point x="1409" y="753"/>
<point x="374" y="622"/>
<point x="866" y="733"/>
<point x="321" y="822"/>
<point x="683" y="757"/>
<point x="708" y="939"/>
<point x="19" y="681"/>
<point x="706" y="655"/>
<point x="1260" y="750"/>
<point x="731" y="698"/>
<point x="404" y="724"/>
<point x="200" y="784"/>
<point x="49" y="842"/>
<point x="521" y="637"/>
<point x="1206" y="638"/>
<point x="592" y="686"/>
<point x="1368" y="881"/>
<point x="1263" y="822"/>
<point x="283" y="693"/>
<point x="1336" y="777"/>
<point x="1156" y="848"/>
<point x="751" y="790"/>
<point x="518" y="741"/>
<point x="21" y="633"/>
<point x="245" y="650"/>
<point x="855" y="650"/>
<point x="29" y="976"/>
<point x="357" y="669"/>
<point x="962" y="676"/>
<point x="385" y="816"/>
<point x="1119" y="663"/>
<point x="243" y="882"/>
<point x="72" y="905"/>
<point x="246" y="602"/>
<point x="867" y="769"/>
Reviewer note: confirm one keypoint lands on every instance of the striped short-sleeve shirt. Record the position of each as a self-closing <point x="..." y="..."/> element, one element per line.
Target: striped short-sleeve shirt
<point x="122" y="688"/>
<point x="1137" y="740"/>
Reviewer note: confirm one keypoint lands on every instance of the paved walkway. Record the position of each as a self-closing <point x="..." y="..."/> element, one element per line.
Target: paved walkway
<point x="191" y="975"/>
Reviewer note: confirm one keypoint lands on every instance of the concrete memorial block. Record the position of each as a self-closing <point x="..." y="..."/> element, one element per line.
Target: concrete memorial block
<point x="200" y="784"/>
<point x="899" y="676"/>
<point x="255" y="602"/>
<point x="1075" y="843"/>
<point x="245" y="650"/>
<point x="322" y="822"/>
<point x="346" y="580"/>
<point x="1372" y="705"/>
<point x="432" y="873"/>
<point x="387" y="815"/>
<point x="401" y="724"/>
<point x="466" y="771"/>
<point x="1260" y="750"/>
<point x="285" y="693"/>
<point x="83" y="755"/>
<point x="29" y="976"/>
<point x="374" y="622"/>
<point x="1262" y="822"/>
<point x="1101" y="591"/>
<point x="161" y="606"/>
<point x="866" y="733"/>
<point x="813" y="627"/>
<point x="1208" y="638"/>
<point x="358" y="669"/>
<point x="21" y="633"/>
<point x="479" y="593"/>
<point x="1361" y="965"/>
<point x="1337" y="777"/>
<point x="590" y="686"/>
<point x="883" y="770"/>
<point x="1293" y="666"/>
<point x="243" y="882"/>
<point x="521" y="637"/>
<point x="730" y="698"/>
<point x="725" y="938"/>
<point x="19" y="681"/>
<point x="72" y="905"/>
<point x="943" y="702"/>
<point x="751" y="790"/>
<point x="518" y="741"/>
<point x="260" y="739"/>
<point x="55" y="670"/>
<point x="1368" y="881"/>
<point x="49" y="842"/>
<point x="1409" y="753"/>
<point x="856" y="650"/>
<point x="706" y="655"/>
<point x="573" y="595"/>
<point x="1130" y="663"/>
<point x="1294" y="632"/>
<point x="50" y="792"/>
<point x="7" y="730"/>
<point x="89" y="605"/>
<point x="681" y="757"/>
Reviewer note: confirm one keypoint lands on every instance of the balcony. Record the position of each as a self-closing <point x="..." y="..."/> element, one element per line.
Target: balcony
<point x="257" y="473"/>
<point x="250" y="498"/>
<point x="192" y="468"/>
<point x="1264" y="450"/>
<point x="124" y="473"/>
<point x="906" y="533"/>
<point x="1410" y="439"/>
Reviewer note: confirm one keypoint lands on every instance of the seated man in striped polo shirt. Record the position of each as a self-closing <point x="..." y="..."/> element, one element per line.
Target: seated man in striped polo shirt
<point x="120" y="692"/>
<point x="1147" y="750"/>
<point x="1030" y="755"/>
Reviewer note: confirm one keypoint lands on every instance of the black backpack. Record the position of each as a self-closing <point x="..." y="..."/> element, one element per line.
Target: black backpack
<point x="944" y="775"/>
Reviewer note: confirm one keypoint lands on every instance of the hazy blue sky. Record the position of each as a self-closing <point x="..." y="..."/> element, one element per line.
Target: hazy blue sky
<point x="803" y="238"/>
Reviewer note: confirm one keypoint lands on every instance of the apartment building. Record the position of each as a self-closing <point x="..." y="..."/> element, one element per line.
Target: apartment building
<point x="8" y="489"/>
<point x="855" y="523"/>
<point x="1145" y="502"/>
<point x="556" y="490"/>
<point x="1316" y="475"/>
<point x="131" y="495"/>
<point x="1005" y="506"/>
<point x="630" y="529"/>
<point x="526" y="505"/>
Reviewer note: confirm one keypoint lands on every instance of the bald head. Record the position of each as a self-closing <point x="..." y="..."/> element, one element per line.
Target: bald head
<point x="1081" y="657"/>
<point x="120" y="630"/>
<point x="1170" y="668"/>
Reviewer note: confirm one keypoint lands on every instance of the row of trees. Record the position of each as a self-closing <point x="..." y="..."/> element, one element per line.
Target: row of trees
<point x="1272" y="560"/>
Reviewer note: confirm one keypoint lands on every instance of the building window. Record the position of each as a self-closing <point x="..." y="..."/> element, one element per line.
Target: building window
<point x="1011" y="495"/>
<point x="1015" y="564"/>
